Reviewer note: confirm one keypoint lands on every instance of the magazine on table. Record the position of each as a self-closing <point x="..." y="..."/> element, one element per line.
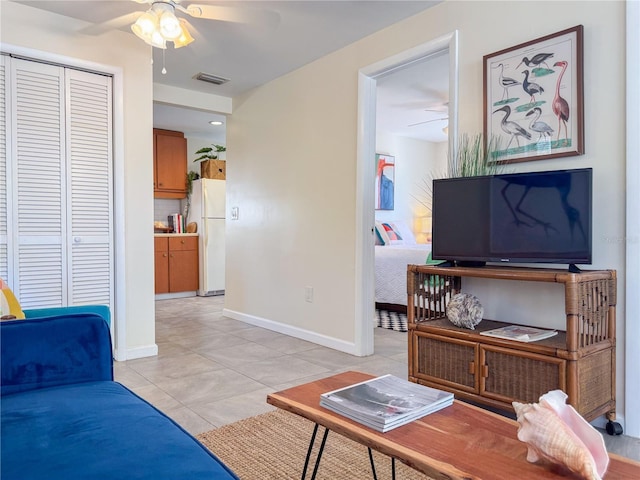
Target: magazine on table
<point x="520" y="333"/>
<point x="386" y="402"/>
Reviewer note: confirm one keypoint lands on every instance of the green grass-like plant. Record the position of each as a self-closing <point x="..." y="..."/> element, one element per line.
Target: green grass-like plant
<point x="473" y="158"/>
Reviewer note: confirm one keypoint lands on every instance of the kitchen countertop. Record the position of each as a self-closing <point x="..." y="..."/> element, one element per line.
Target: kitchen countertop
<point x="175" y="234"/>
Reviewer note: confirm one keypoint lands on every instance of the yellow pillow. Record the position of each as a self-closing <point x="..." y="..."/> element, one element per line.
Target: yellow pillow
<point x="9" y="305"/>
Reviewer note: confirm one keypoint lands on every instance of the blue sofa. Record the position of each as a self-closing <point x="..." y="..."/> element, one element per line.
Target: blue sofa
<point x="63" y="416"/>
<point x="102" y="310"/>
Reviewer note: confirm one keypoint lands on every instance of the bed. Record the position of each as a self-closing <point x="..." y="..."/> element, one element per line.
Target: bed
<point x="393" y="252"/>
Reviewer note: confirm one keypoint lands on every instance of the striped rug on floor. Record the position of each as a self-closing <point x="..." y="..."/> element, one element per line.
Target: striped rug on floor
<point x="392" y="320"/>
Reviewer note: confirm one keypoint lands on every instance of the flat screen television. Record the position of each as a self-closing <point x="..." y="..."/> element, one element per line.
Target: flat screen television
<point x="538" y="217"/>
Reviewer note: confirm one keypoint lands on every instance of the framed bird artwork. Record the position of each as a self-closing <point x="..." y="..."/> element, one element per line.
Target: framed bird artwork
<point x="533" y="98"/>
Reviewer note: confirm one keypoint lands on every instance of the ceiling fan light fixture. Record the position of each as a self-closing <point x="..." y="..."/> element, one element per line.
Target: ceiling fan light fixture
<point x="185" y="37"/>
<point x="157" y="40"/>
<point x="170" y="27"/>
<point x="145" y="25"/>
<point x="159" y="24"/>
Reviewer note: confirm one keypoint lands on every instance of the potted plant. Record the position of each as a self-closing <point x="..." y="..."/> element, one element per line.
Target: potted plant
<point x="210" y="153"/>
<point x="473" y="158"/>
<point x="191" y="176"/>
<point x="211" y="166"/>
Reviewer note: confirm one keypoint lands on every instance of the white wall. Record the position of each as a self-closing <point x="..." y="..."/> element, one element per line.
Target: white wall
<point x="417" y="162"/>
<point x="293" y="175"/>
<point x="26" y="27"/>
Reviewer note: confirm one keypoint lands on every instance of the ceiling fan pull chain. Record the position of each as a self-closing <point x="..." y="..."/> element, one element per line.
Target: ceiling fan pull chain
<point x="164" y="70"/>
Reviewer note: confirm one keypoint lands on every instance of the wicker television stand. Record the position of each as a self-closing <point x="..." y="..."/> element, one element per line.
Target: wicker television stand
<point x="495" y="372"/>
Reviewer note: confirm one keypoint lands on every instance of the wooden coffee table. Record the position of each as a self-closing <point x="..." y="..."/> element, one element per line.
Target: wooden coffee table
<point x="459" y="442"/>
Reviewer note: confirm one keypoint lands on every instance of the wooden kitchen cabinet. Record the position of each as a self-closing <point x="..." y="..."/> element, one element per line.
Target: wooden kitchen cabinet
<point x="176" y="264"/>
<point x="161" y="249"/>
<point x="169" y="164"/>
<point x="494" y="371"/>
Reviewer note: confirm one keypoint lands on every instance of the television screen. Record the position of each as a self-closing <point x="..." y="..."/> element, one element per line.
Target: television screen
<point x="542" y="217"/>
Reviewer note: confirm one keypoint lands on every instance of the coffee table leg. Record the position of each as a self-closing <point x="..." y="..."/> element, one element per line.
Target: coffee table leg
<point x="373" y="467"/>
<point x="306" y="461"/>
<point x="311" y="443"/>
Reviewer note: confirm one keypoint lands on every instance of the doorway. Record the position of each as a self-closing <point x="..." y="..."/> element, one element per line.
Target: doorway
<point x="366" y="150"/>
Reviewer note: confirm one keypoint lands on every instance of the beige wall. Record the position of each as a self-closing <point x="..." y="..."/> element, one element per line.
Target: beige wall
<point x="41" y="31"/>
<point x="293" y="175"/>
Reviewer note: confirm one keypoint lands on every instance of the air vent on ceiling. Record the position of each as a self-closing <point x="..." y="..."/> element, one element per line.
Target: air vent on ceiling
<point x="207" y="77"/>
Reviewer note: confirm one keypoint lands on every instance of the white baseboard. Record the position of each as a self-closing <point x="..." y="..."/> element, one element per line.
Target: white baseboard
<point x="141" y="352"/>
<point x="169" y="296"/>
<point x="301" y="333"/>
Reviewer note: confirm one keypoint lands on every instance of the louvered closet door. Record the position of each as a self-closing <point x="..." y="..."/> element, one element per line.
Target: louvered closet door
<point x="59" y="195"/>
<point x="4" y="259"/>
<point x="90" y="194"/>
<point x="38" y="192"/>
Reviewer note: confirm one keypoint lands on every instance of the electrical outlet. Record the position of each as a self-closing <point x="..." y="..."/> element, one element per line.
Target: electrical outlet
<point x="308" y="294"/>
<point x="234" y="213"/>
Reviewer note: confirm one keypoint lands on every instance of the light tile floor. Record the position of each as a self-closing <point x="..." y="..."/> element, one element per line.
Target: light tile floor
<point x="212" y="370"/>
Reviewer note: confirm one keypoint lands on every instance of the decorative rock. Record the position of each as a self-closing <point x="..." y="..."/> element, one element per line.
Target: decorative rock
<point x="465" y="310"/>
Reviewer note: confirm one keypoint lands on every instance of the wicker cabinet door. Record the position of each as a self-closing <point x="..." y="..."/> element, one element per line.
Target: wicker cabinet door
<point x="445" y="361"/>
<point x="509" y="375"/>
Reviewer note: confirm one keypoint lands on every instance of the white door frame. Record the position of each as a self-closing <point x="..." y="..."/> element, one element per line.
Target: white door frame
<point x="118" y="319"/>
<point x="632" y="315"/>
<point x="365" y="171"/>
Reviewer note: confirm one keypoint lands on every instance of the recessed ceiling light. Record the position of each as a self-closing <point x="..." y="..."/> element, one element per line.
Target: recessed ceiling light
<point x="216" y="122"/>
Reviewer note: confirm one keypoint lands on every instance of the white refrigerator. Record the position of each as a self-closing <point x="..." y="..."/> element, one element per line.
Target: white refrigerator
<point x="208" y="211"/>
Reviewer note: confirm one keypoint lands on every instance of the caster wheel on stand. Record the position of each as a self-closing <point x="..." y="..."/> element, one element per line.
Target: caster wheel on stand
<point x="614" y="428"/>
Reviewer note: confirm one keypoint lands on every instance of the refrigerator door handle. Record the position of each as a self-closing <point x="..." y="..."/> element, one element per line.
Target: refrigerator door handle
<point x="205" y="240"/>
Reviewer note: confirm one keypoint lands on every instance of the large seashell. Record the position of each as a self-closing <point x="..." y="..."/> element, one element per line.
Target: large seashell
<point x="554" y="431"/>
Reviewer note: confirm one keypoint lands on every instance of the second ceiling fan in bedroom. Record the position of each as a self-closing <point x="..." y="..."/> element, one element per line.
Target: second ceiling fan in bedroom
<point x="442" y="111"/>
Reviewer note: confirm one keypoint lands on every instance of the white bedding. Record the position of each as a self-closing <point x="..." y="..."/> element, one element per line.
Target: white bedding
<point x="391" y="270"/>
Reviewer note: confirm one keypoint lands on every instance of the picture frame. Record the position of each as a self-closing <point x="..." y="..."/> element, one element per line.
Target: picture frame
<point x="533" y="98"/>
<point x="385" y="181"/>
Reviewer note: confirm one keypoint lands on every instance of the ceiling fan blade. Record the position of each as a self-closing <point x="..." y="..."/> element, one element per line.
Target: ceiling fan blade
<point x="428" y="121"/>
<point x="237" y="14"/>
<point x="439" y="108"/>
<point x="113" y="24"/>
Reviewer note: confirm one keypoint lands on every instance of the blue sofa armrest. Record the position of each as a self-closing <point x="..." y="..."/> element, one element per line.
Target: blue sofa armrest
<point x="46" y="352"/>
<point x="102" y="310"/>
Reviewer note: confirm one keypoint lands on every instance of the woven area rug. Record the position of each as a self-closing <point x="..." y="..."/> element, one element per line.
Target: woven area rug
<point x="273" y="446"/>
<point x="392" y="320"/>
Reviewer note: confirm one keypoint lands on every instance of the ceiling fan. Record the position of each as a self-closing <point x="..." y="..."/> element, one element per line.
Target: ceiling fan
<point x="160" y="24"/>
<point x="443" y="109"/>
